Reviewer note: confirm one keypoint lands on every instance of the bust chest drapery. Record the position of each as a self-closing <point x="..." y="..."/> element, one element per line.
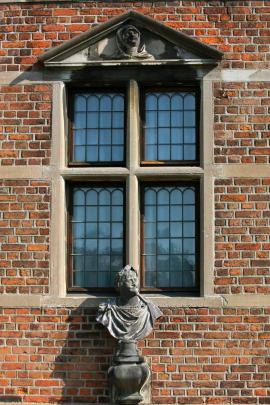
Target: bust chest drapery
<point x="128" y="322"/>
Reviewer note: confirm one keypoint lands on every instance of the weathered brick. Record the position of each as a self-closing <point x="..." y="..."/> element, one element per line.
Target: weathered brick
<point x="238" y="254"/>
<point x="21" y="104"/>
<point x="198" y="355"/>
<point x="15" y="224"/>
<point x="237" y="154"/>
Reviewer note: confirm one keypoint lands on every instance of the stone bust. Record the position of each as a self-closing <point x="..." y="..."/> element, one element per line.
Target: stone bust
<point x="129" y="317"/>
<point x="128" y="40"/>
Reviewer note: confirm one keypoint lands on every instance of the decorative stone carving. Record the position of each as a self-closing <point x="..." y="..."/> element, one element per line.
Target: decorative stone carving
<point x="129" y="44"/>
<point x="130" y="39"/>
<point x="128" y="318"/>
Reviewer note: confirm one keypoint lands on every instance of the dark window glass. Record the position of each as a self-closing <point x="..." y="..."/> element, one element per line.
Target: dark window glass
<point x="98" y="127"/>
<point x="97" y="221"/>
<point x="170" y="126"/>
<point x="169" y="229"/>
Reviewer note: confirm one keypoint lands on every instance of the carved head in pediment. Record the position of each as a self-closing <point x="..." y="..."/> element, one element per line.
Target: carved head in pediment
<point x="129" y="44"/>
<point x="129" y="37"/>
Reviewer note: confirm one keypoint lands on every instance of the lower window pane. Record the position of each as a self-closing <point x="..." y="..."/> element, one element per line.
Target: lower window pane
<point x="97" y="237"/>
<point x="169" y="251"/>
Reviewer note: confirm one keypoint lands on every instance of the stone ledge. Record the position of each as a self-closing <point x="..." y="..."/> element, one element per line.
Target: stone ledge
<point x="162" y="300"/>
<point x="38" y="2"/>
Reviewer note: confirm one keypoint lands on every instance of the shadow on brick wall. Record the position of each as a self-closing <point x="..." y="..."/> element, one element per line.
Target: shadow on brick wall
<point x="85" y="354"/>
<point x="7" y="399"/>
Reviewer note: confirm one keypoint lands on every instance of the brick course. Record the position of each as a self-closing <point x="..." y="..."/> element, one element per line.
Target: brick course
<point x="25" y="124"/>
<point x="213" y="356"/>
<point x="242" y="122"/>
<point x="24" y="236"/>
<point x="242" y="236"/>
<point x="197" y="355"/>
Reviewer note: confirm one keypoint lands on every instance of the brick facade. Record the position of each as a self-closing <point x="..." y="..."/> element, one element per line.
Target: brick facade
<point x="240" y="29"/>
<point x="199" y="353"/>
<point x="25" y="213"/>
<point x="242" y="122"/>
<point x="25" y="125"/>
<point x="242" y="236"/>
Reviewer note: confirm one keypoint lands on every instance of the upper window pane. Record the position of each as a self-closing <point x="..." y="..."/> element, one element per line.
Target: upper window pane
<point x="98" y="126"/>
<point x="170" y="126"/>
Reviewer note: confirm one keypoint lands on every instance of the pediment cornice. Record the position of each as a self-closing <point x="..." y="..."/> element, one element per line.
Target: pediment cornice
<point x="111" y="44"/>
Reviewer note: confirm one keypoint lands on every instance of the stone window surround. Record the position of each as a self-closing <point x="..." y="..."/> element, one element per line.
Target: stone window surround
<point x="133" y="175"/>
<point x="57" y="174"/>
<point x="132" y="172"/>
<point x="205" y="174"/>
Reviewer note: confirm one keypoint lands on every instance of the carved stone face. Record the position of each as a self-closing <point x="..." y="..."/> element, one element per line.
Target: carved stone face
<point x="131" y="37"/>
<point x="129" y="284"/>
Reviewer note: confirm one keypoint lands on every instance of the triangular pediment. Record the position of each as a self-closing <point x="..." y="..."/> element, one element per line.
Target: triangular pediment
<point x="131" y="38"/>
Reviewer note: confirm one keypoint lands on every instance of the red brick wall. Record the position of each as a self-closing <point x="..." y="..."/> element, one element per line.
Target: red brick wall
<point x="24" y="236"/>
<point x="197" y="355"/>
<point x="240" y="29"/>
<point x="242" y="122"/>
<point x="25" y="125"/>
<point x="242" y="236"/>
<point x="213" y="356"/>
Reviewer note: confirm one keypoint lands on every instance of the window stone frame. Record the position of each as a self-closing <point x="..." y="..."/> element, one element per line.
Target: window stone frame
<point x="56" y="173"/>
<point x="199" y="61"/>
<point x="62" y="173"/>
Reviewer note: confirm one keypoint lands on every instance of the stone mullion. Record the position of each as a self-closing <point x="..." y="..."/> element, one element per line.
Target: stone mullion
<point x="132" y="148"/>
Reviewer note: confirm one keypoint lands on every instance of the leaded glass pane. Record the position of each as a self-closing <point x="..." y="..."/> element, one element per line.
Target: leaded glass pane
<point x="98" y="239"/>
<point x="150" y="279"/>
<point x="163" y="278"/>
<point x="79" y="152"/>
<point x="98" y="123"/>
<point x="169" y="248"/>
<point x="91" y="153"/>
<point x="151" y="152"/>
<point x="170" y="126"/>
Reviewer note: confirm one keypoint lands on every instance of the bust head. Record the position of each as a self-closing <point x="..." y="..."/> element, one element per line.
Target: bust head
<point x="128" y="317"/>
<point x="126" y="282"/>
